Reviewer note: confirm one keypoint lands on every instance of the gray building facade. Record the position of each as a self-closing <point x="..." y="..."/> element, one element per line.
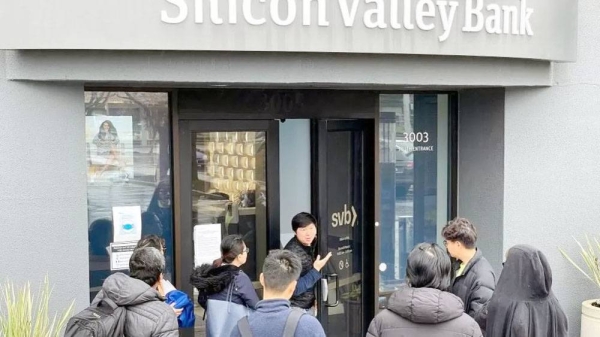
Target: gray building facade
<point x="514" y="114"/>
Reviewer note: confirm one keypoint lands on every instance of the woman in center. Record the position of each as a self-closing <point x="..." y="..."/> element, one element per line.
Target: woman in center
<point x="222" y="282"/>
<point x="424" y="307"/>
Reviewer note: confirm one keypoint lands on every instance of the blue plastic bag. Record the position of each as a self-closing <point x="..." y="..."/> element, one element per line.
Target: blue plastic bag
<point x="187" y="319"/>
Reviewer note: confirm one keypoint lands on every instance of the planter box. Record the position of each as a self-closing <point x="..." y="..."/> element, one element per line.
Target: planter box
<point x="590" y="319"/>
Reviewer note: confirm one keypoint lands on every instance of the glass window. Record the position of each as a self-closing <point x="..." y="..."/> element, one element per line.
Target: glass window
<point x="229" y="197"/>
<point x="128" y="173"/>
<point x="413" y="148"/>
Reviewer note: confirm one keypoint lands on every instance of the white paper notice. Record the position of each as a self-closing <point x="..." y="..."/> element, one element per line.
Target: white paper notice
<point x="127" y="223"/>
<point x="207" y="243"/>
<point x="120" y="253"/>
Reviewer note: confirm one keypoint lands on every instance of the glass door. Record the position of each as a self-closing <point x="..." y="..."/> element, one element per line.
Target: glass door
<point x="229" y="172"/>
<point x="345" y="205"/>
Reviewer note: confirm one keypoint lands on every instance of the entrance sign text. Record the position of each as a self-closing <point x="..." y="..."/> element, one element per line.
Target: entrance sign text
<point x="377" y="14"/>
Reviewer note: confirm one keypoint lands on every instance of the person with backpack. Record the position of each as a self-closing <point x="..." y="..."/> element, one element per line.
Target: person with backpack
<point x="274" y="317"/>
<point x="177" y="299"/>
<point x="129" y="306"/>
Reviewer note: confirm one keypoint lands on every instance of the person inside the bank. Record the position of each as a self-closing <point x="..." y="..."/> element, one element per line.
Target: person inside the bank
<point x="474" y="279"/>
<point x="304" y="244"/>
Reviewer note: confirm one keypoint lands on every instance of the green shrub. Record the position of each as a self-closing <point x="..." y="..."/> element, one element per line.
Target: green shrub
<point x="25" y="315"/>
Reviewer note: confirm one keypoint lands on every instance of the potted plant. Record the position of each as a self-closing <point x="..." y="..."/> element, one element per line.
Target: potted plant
<point x="25" y="315"/>
<point x="590" y="310"/>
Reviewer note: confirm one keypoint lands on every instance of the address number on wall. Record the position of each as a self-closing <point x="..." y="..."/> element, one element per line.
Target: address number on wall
<point x="419" y="137"/>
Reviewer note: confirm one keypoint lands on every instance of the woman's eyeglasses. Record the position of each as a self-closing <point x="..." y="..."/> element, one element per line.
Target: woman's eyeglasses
<point x="247" y="250"/>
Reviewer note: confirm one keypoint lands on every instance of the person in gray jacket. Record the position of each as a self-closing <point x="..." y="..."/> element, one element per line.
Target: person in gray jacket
<point x="147" y="313"/>
<point x="424" y="307"/>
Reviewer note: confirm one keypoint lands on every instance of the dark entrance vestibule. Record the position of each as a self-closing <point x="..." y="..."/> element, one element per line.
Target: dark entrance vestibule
<point x="232" y="178"/>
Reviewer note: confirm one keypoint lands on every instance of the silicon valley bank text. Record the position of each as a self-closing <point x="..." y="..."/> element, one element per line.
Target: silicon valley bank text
<point x="425" y="15"/>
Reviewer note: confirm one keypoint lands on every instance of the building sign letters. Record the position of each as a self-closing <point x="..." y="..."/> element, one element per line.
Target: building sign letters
<point x="516" y="29"/>
<point x="346" y="217"/>
<point x="424" y="15"/>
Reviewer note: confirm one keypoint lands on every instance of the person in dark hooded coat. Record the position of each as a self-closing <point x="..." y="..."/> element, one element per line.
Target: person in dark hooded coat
<point x="523" y="304"/>
<point x="424" y="307"/>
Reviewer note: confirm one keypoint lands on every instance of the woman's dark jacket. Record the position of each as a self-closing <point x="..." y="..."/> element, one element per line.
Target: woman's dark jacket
<point x="475" y="286"/>
<point x="523" y="303"/>
<point x="305" y="300"/>
<point x="416" y="312"/>
<point x="213" y="283"/>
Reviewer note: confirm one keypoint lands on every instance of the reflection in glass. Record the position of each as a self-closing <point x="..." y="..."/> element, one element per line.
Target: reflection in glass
<point x="128" y="164"/>
<point x="413" y="148"/>
<point x="233" y="198"/>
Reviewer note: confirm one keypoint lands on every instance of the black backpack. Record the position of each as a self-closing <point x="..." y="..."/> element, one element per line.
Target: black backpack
<point x="103" y="319"/>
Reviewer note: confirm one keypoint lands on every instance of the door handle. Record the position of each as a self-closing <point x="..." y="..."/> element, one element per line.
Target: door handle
<point x="337" y="291"/>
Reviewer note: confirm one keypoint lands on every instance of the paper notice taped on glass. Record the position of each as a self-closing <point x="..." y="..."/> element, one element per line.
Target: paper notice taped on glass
<point x="120" y="253"/>
<point x="127" y="223"/>
<point x="207" y="243"/>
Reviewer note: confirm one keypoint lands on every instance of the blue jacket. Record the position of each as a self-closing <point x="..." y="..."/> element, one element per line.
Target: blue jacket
<point x="269" y="321"/>
<point x="187" y="319"/>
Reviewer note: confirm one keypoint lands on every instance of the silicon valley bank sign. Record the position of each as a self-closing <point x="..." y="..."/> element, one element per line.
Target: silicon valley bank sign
<point x="425" y="15"/>
<point x="530" y="29"/>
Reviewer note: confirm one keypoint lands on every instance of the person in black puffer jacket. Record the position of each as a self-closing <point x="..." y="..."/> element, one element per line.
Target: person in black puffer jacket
<point x="474" y="279"/>
<point x="303" y="244"/>
<point x="213" y="281"/>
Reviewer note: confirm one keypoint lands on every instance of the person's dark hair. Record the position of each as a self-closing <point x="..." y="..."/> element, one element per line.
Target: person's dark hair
<point x="302" y="220"/>
<point x="281" y="267"/>
<point x="146" y="264"/>
<point x="153" y="241"/>
<point x="231" y="247"/>
<point x="111" y="128"/>
<point x="429" y="267"/>
<point x="462" y="230"/>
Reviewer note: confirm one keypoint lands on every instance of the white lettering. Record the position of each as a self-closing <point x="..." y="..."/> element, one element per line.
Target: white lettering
<point x="199" y="11"/>
<point x="247" y="10"/>
<point x="447" y="18"/>
<point x="291" y="12"/>
<point x="183" y="12"/>
<point x="492" y="23"/>
<point x="525" y="17"/>
<point x="232" y="11"/>
<point x="334" y="220"/>
<point x="378" y="13"/>
<point x="394" y="20"/>
<point x="322" y="9"/>
<point x="214" y="12"/>
<point x="493" y="17"/>
<point x="348" y="15"/>
<point x="473" y="11"/>
<point x="421" y="13"/>
<point x="407" y="23"/>
<point x="510" y="15"/>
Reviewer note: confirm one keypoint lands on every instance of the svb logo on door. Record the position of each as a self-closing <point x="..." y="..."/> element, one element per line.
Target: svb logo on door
<point x="345" y="217"/>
